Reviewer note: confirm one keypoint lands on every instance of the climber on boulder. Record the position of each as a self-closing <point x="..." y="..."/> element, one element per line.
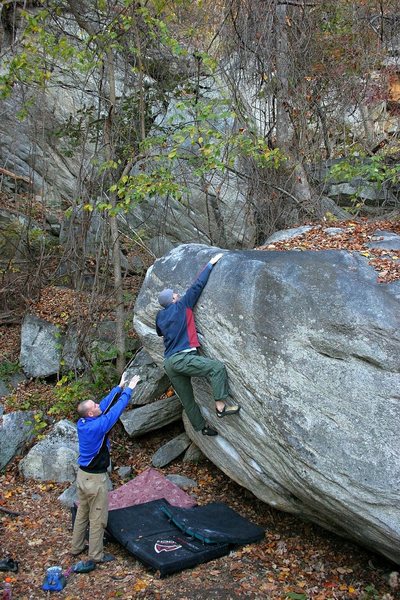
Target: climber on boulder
<point x="175" y="323"/>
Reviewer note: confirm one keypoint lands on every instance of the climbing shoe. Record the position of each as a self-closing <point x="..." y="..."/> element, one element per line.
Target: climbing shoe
<point x="207" y="430"/>
<point x="8" y="564"/>
<point x="227" y="410"/>
<point x="84" y="566"/>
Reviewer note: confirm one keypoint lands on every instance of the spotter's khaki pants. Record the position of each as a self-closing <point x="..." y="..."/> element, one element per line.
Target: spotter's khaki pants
<point x="93" y="511"/>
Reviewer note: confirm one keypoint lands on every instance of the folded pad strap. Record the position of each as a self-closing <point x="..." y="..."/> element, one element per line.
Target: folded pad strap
<point x="214" y="523"/>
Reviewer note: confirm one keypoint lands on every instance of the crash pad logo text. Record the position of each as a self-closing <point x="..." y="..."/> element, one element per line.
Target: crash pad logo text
<point x="166" y="546"/>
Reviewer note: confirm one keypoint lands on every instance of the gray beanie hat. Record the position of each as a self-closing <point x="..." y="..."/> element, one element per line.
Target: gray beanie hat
<point x="165" y="297"/>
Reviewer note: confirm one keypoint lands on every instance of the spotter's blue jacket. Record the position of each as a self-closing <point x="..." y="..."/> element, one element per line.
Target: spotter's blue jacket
<point x="176" y="323"/>
<point x="94" y="445"/>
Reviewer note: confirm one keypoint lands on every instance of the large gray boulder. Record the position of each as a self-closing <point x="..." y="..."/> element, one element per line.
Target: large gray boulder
<point x="311" y="344"/>
<point x="55" y="457"/>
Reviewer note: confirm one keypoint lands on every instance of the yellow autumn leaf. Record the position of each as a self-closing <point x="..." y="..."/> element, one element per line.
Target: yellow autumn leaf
<point x="140" y="585"/>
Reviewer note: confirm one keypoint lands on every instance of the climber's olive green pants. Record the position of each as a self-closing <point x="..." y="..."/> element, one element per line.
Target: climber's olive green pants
<point x="180" y="367"/>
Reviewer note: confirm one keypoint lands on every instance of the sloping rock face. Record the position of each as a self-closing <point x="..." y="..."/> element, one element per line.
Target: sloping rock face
<point x="35" y="156"/>
<point x="311" y="343"/>
<point x="215" y="207"/>
<point x="46" y="149"/>
<point x="217" y="212"/>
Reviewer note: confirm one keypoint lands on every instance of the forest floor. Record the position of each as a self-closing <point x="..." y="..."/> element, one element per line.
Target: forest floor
<point x="296" y="560"/>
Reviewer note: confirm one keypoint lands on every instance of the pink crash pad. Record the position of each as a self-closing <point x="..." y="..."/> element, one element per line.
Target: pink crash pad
<point x="149" y="485"/>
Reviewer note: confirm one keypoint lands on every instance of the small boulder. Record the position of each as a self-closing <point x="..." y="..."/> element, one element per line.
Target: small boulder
<point x="4" y="389"/>
<point x="16" y="431"/>
<point x="385" y="240"/>
<point x="151" y="416"/>
<point x="287" y="234"/>
<point x="185" y="483"/>
<point x="124" y="472"/>
<point x="69" y="497"/>
<point x="171" y="450"/>
<point x="55" y="457"/>
<point x="40" y="347"/>
<point x="10" y="382"/>
<point x="136" y="265"/>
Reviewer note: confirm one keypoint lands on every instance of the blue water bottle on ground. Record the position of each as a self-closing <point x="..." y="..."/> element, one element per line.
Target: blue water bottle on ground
<point x="54" y="580"/>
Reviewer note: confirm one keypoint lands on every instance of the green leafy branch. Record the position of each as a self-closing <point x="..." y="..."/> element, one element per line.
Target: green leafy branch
<point x="374" y="169"/>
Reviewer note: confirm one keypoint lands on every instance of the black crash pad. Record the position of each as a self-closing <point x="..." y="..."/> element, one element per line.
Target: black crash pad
<point x="150" y="535"/>
<point x="147" y="533"/>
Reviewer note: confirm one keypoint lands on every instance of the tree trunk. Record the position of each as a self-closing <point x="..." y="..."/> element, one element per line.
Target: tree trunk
<point x="78" y="9"/>
<point x="115" y="245"/>
<point x="285" y="129"/>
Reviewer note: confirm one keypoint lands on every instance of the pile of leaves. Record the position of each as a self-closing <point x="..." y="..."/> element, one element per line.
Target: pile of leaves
<point x="10" y="340"/>
<point x="62" y="305"/>
<point x="59" y="305"/>
<point x="354" y="236"/>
